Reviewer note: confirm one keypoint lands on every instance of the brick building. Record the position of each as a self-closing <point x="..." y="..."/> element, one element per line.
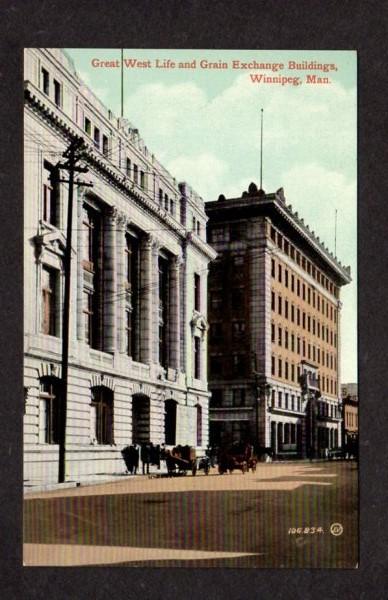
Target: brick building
<point x="274" y="314"/>
<point x="138" y="323"/>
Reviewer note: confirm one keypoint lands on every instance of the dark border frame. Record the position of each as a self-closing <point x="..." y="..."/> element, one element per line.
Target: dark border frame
<point x="263" y="24"/>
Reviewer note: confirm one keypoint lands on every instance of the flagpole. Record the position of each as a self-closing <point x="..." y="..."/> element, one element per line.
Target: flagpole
<point x="261" y="152"/>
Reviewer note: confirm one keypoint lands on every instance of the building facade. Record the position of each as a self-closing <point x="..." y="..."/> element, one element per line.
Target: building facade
<point x="138" y="317"/>
<point x="350" y="418"/>
<point x="274" y="314"/>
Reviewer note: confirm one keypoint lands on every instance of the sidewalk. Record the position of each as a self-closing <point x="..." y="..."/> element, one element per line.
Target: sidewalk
<point x="39" y="485"/>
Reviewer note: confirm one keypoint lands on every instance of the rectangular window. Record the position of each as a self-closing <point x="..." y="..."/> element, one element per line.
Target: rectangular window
<point x="298" y="316"/>
<point x="49" y="301"/>
<point x="272" y="332"/>
<point x="49" y="411"/>
<point x="304" y="320"/>
<point x="298" y="287"/>
<point x="279" y="336"/>
<point x="292" y="342"/>
<point x="286" y="277"/>
<point x="292" y="283"/>
<point x="57" y="93"/>
<point x="105" y="145"/>
<point x="280" y="273"/>
<point x="45" y="82"/>
<point x="164" y="312"/>
<point x="197" y="357"/>
<point x="286" y="309"/>
<point x="292" y="372"/>
<point x="142" y="180"/>
<point x="272" y="268"/>
<point x="197" y="292"/>
<point x="303" y="291"/>
<point x="272" y="365"/>
<point x="298" y="345"/>
<point x="280" y="305"/>
<point x="238" y="329"/>
<point x="88" y="126"/>
<point x="238" y="395"/>
<point x="286" y="370"/>
<point x="280" y="399"/>
<point x="286" y="339"/>
<point x="93" y="276"/>
<point x="50" y="208"/>
<point x="96" y="137"/>
<point x="273" y="300"/>
<point x="292" y="313"/>
<point x="279" y="367"/>
<point x="286" y="400"/>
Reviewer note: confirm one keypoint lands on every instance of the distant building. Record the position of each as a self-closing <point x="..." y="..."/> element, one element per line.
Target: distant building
<point x="349" y="393"/>
<point x="274" y="313"/>
<point x="138" y="359"/>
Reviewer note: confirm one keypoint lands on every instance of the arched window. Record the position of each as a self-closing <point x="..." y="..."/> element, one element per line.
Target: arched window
<point x="49" y="407"/>
<point x="102" y="415"/>
<point x="170" y="422"/>
<point x="199" y="425"/>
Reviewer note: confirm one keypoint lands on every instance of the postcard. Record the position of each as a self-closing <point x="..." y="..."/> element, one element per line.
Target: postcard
<point x="190" y="308"/>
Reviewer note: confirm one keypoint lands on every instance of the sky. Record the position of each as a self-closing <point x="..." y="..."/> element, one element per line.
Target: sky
<point x="203" y="125"/>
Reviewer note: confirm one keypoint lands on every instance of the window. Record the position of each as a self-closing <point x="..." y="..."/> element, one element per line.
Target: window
<point x="286" y="277"/>
<point x="286" y="309"/>
<point x="87" y="126"/>
<point x="279" y="336"/>
<point x="238" y="395"/>
<point x="239" y="364"/>
<point x="308" y="295"/>
<point x="96" y="137"/>
<point x="57" y="93"/>
<point x="286" y="339"/>
<point x="160" y="196"/>
<point x="279" y="367"/>
<point x="272" y="267"/>
<point x="216" y="365"/>
<point x="280" y="273"/>
<point x="292" y="372"/>
<point x="128" y="167"/>
<point x="292" y="313"/>
<point x="280" y="399"/>
<point x="172" y="211"/>
<point x="286" y="370"/>
<point x="216" y="398"/>
<point x="298" y="345"/>
<point x="273" y="234"/>
<point x="273" y="300"/>
<point x="50" y="208"/>
<point x="105" y="145"/>
<point x="238" y="329"/>
<point x="197" y="357"/>
<point x="292" y="342"/>
<point x="280" y="305"/>
<point x="272" y="365"/>
<point x="292" y="283"/>
<point x="49" y="407"/>
<point x="197" y="292"/>
<point x="93" y="277"/>
<point x="286" y="400"/>
<point x="49" y="301"/>
<point x="132" y="295"/>
<point x="163" y="312"/>
<point x="237" y="299"/>
<point x="272" y="332"/>
<point x="102" y="414"/>
<point x="298" y="316"/>
<point x="303" y="291"/>
<point x="142" y="180"/>
<point x="199" y="425"/>
<point x="298" y="287"/>
<point x="45" y="81"/>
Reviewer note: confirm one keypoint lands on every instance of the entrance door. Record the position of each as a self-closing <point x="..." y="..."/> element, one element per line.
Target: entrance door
<point x="140" y="418"/>
<point x="170" y="422"/>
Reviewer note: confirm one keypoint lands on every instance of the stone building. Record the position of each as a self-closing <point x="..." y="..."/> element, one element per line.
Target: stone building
<point x="274" y="341"/>
<point x="138" y="323"/>
<point x="349" y="393"/>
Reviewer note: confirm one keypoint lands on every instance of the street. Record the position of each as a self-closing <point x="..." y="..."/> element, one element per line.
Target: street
<point x="283" y="515"/>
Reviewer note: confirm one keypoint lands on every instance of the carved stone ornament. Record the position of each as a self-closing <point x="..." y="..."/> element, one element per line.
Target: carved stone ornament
<point x="199" y="322"/>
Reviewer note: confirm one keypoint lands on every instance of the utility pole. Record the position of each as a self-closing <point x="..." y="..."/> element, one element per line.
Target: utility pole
<point x="73" y="155"/>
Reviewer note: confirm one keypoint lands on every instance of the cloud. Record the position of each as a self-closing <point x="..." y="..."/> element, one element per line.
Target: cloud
<point x="196" y="169"/>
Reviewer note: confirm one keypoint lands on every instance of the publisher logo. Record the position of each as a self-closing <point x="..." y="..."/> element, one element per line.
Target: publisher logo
<point x="336" y="529"/>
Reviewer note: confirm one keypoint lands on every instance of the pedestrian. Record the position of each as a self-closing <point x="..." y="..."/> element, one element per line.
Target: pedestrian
<point x="145" y="455"/>
<point x="128" y="458"/>
<point x="134" y="450"/>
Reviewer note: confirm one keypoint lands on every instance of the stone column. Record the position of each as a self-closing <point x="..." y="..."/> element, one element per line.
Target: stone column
<point x="121" y="283"/>
<point x="155" y="301"/>
<point x="174" y="314"/>
<point x="146" y="281"/>
<point x="110" y="280"/>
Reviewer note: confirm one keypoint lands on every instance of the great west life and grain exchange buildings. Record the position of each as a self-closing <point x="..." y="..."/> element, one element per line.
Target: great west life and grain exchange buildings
<point x="138" y="324"/>
<point x="274" y="313"/>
